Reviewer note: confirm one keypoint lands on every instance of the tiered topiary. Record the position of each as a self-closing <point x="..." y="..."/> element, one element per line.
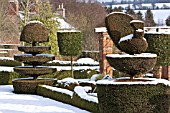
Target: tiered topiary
<point x="131" y="95"/>
<point x="33" y="33"/>
<point x="128" y="36"/>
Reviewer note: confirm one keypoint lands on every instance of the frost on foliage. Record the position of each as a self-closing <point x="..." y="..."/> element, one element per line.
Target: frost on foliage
<point x="81" y="92"/>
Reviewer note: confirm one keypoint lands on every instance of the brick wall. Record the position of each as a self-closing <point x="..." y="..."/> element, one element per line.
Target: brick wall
<point x="105" y="47"/>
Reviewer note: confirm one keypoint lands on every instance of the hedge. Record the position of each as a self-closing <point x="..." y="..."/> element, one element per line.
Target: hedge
<point x="73" y="99"/>
<point x="9" y="63"/>
<point x="160" y="45"/>
<point x="133" y="98"/>
<point x="7" y="77"/>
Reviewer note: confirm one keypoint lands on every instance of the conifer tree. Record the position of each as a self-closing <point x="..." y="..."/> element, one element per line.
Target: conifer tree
<point x="139" y="15"/>
<point x="131" y="12"/>
<point x="168" y="21"/>
<point x="47" y="17"/>
<point x="149" y="19"/>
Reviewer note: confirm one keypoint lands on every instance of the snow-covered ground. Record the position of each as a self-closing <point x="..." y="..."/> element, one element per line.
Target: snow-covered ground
<point x="22" y="103"/>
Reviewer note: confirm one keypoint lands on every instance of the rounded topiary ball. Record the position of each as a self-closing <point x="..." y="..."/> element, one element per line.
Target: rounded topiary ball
<point x="33" y="32"/>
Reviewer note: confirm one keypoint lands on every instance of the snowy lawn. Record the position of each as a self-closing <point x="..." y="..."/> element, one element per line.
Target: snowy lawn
<point x="21" y="103"/>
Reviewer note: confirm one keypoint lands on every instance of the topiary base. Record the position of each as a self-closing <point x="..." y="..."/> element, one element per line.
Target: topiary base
<point x="29" y="86"/>
<point x="145" y="96"/>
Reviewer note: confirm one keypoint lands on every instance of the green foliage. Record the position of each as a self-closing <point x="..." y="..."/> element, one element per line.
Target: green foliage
<point x="7" y="77"/>
<point x="47" y="17"/>
<point x="4" y="78"/>
<point x="134" y="66"/>
<point x="9" y="63"/>
<point x="160" y="45"/>
<point x="54" y="95"/>
<point x="29" y="86"/>
<point x="168" y="21"/>
<point x="78" y="74"/>
<point x="121" y="26"/>
<point x="134" y="46"/>
<point x="74" y="99"/>
<point x="142" y="98"/>
<point x="70" y="43"/>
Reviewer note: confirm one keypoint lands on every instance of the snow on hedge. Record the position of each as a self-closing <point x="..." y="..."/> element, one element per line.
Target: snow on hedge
<point x="81" y="92"/>
<point x="154" y="81"/>
<point x="61" y="90"/>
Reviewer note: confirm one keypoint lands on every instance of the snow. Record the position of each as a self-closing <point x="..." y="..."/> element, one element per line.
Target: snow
<point x="6" y="69"/>
<point x="22" y="103"/>
<point x="81" y="91"/>
<point x="128" y="37"/>
<point x="79" y="61"/>
<point x="61" y="90"/>
<point x="93" y="78"/>
<point x="133" y="56"/>
<point x="133" y="21"/>
<point x="68" y="81"/>
<point x="6" y="58"/>
<point x="153" y="81"/>
<point x="87" y="61"/>
<point x="35" y="21"/>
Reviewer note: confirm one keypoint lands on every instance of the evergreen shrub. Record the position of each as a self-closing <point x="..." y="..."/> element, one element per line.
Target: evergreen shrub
<point x="9" y="63"/>
<point x="59" y="96"/>
<point x="34" y="32"/>
<point x="160" y="45"/>
<point x="4" y="78"/>
<point x="133" y="98"/>
<point x="7" y="77"/>
<point x="118" y="26"/>
<point x="70" y="43"/>
<point x="74" y="99"/>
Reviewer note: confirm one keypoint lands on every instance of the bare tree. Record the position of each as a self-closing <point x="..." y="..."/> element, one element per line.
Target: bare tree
<point x="85" y="16"/>
<point x="8" y="24"/>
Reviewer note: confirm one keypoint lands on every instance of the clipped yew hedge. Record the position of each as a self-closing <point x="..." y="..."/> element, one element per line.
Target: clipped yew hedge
<point x="70" y="43"/>
<point x="9" y="63"/>
<point x="132" y="98"/>
<point x="4" y="78"/>
<point x="7" y="77"/>
<point x="159" y="44"/>
<point x="73" y="99"/>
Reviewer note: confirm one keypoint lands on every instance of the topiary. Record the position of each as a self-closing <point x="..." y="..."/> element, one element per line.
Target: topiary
<point x="34" y="32"/>
<point x="70" y="44"/>
<point x="118" y="26"/>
